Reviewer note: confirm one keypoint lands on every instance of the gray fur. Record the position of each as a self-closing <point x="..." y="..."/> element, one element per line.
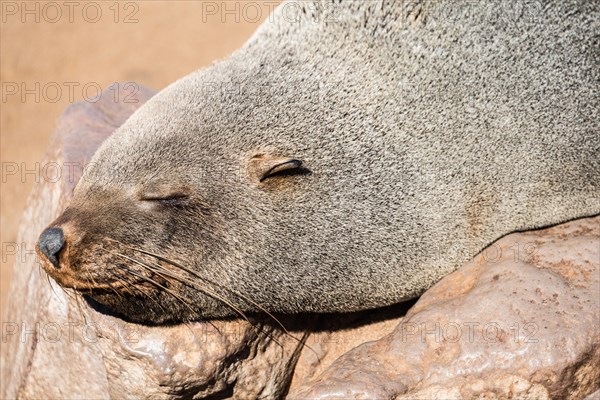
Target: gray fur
<point x="429" y="130"/>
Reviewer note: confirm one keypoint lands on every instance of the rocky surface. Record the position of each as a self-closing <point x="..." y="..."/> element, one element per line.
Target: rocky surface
<point x="520" y="321"/>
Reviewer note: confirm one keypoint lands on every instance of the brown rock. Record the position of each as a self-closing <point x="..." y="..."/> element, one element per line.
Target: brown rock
<point x="522" y="320"/>
<point x="593" y="396"/>
<point x="55" y="346"/>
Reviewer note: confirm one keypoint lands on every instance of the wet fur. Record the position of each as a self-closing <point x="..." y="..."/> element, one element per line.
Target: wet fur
<point x="423" y="139"/>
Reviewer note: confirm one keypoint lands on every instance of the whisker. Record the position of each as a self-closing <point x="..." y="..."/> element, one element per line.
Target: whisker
<point x="175" y="295"/>
<point x="140" y="290"/>
<point x="194" y="273"/>
<point x="69" y="293"/>
<point x="91" y="279"/>
<point x="114" y="290"/>
<point x="193" y="285"/>
<point x="51" y="286"/>
<point x="81" y="313"/>
<point x="214" y="295"/>
<point x="73" y="296"/>
<point x="207" y="292"/>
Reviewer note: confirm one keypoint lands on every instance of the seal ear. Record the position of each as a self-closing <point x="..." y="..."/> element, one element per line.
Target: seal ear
<point x="262" y="167"/>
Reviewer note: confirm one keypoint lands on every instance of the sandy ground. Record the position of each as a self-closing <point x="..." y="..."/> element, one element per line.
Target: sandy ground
<point x="45" y="45"/>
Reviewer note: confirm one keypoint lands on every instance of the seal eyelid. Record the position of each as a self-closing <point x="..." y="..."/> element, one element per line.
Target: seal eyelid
<point x="284" y="166"/>
<point x="171" y="199"/>
<point x="163" y="191"/>
<point x="158" y="197"/>
<point x="263" y="166"/>
<point x="175" y="202"/>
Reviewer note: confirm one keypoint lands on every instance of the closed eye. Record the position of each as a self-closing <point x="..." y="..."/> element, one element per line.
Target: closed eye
<point x="288" y="167"/>
<point x="174" y="199"/>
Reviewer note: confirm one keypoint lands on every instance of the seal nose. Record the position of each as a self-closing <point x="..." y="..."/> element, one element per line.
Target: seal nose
<point x="50" y="243"/>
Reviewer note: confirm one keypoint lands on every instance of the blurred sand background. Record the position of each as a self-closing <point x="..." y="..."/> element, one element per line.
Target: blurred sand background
<point x="148" y="42"/>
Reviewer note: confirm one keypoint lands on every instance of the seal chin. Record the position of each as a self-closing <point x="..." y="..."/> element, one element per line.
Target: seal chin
<point x="134" y="309"/>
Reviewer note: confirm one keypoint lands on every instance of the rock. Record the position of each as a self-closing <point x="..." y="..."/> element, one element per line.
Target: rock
<point x="594" y="396"/>
<point x="54" y="345"/>
<point x="522" y="320"/>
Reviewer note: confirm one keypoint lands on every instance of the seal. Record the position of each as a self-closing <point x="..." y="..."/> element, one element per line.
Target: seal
<point x="344" y="159"/>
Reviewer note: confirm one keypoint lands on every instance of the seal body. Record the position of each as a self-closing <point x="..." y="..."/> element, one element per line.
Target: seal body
<point x="343" y="159"/>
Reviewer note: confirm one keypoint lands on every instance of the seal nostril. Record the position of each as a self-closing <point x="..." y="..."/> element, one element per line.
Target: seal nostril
<point x="50" y="243"/>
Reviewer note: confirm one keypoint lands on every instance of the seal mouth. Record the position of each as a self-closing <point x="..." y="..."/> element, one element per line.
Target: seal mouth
<point x="90" y="281"/>
<point x="91" y="285"/>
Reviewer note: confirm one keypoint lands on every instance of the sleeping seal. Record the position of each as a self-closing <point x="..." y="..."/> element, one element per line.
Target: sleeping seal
<point x="343" y="160"/>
